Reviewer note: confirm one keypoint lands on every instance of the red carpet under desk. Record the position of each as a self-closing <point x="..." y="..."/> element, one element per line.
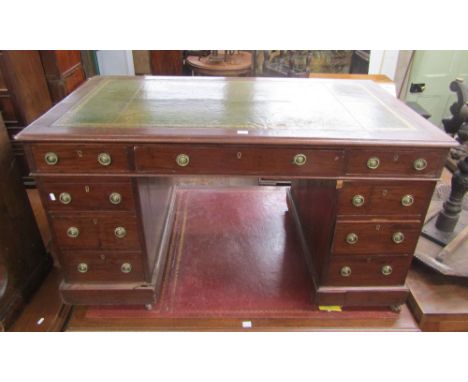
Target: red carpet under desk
<point x="234" y="253"/>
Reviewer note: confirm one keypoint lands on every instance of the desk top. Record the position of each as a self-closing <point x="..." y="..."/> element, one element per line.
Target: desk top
<point x="234" y="110"/>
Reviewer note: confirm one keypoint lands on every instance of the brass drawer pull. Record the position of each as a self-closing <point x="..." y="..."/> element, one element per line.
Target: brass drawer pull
<point x="351" y="238"/>
<point x="299" y="159"/>
<point x="345" y="271"/>
<point x="120" y="232"/>
<point x="420" y="164"/>
<point x="82" y="267"/>
<point x="115" y="198"/>
<point x="126" y="268"/>
<point x="104" y="159"/>
<point x="51" y="158"/>
<point x="398" y="237"/>
<point x="358" y="200"/>
<point x="65" y="198"/>
<point x="407" y="200"/>
<point x="373" y="163"/>
<point x="387" y="270"/>
<point x="73" y="232"/>
<point x="183" y="160"/>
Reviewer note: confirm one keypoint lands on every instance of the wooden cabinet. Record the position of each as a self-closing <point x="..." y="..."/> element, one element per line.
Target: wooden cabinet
<point x="30" y="83"/>
<point x="63" y="71"/>
<point x="23" y="258"/>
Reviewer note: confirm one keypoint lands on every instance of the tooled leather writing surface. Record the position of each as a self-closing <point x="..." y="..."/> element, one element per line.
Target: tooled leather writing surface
<point x="113" y="107"/>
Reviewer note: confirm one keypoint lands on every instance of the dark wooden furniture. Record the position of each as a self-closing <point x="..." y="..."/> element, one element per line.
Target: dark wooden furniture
<point x="24" y="96"/>
<point x="30" y="82"/>
<point x="231" y="284"/>
<point x="23" y="260"/>
<point x="107" y="161"/>
<point x="238" y="64"/>
<point x="63" y="71"/>
<point x="438" y="302"/>
<point x="166" y="62"/>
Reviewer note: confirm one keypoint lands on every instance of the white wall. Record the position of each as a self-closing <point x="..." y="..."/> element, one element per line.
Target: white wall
<point x="115" y="62"/>
<point x="384" y="62"/>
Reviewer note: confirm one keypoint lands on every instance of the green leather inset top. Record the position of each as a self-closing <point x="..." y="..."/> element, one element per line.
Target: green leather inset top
<point x="239" y="104"/>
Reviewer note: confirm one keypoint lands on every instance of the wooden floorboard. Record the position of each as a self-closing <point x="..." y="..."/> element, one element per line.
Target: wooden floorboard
<point x="45" y="312"/>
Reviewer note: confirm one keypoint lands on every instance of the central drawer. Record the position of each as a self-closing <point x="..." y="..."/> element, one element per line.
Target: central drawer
<point x="375" y="237"/>
<point x="115" y="231"/>
<point x="239" y="160"/>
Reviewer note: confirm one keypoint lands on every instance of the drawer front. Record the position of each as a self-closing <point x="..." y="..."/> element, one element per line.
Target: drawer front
<point x="375" y="237"/>
<point x="102" y="266"/>
<point x="384" y="198"/>
<point x="88" y="196"/>
<point x="80" y="158"/>
<point x="88" y="233"/>
<point x="414" y="163"/>
<point x="242" y="160"/>
<point x="367" y="270"/>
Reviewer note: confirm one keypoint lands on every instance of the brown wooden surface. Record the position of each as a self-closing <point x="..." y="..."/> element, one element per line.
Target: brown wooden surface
<point x="24" y="96"/>
<point x="375" y="236"/>
<point x="166" y="62"/>
<point x="439" y="303"/>
<point x="24" y="77"/>
<point x="45" y="312"/>
<point x="63" y="70"/>
<point x="401" y="323"/>
<point x="237" y="160"/>
<point x="367" y="270"/>
<point x="240" y="64"/>
<point x="384" y="198"/>
<point x="393" y="162"/>
<point x="379" y="78"/>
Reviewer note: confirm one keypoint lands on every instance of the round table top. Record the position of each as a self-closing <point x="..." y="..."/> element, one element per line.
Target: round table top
<point x="239" y="64"/>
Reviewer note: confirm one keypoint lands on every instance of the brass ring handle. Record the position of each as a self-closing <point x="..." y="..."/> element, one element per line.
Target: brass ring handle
<point x="387" y="270"/>
<point x="358" y="200"/>
<point x="398" y="237"/>
<point x="115" y="198"/>
<point x="65" y="198"/>
<point x="351" y="238"/>
<point x="345" y="271"/>
<point x="82" y="267"/>
<point x="120" y="232"/>
<point x="183" y="160"/>
<point x="73" y="232"/>
<point x="51" y="158"/>
<point x="126" y="268"/>
<point x="104" y="159"/>
<point x="407" y="200"/>
<point x="420" y="164"/>
<point x="300" y="159"/>
<point x="373" y="163"/>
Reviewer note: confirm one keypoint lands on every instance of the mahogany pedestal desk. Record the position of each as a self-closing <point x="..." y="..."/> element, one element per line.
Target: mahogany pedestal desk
<point x="108" y="158"/>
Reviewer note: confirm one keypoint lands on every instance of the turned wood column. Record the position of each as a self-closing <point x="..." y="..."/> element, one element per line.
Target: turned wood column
<point x="448" y="217"/>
